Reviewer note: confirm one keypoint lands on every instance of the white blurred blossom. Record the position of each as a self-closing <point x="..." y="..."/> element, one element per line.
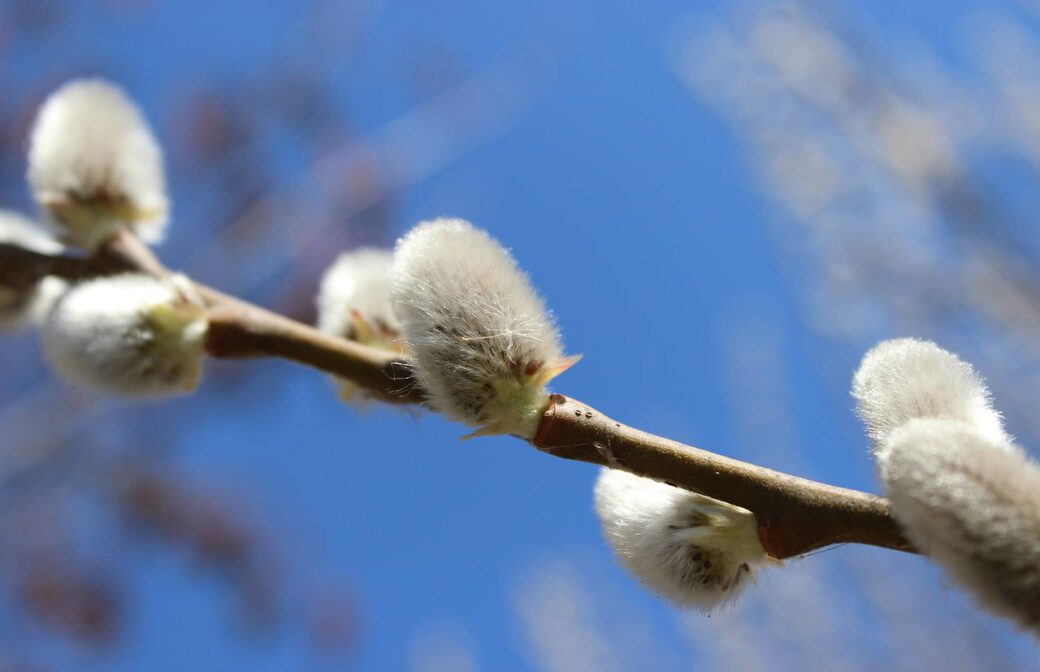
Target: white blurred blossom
<point x="94" y="165"/>
<point x="354" y="303"/>
<point x="131" y="335"/>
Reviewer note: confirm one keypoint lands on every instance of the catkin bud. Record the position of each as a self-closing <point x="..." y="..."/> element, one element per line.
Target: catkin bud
<point x="21" y="304"/>
<point x="94" y="165"/>
<point x="906" y="378"/>
<point x="481" y="340"/>
<point x="970" y="500"/>
<point x="691" y="549"/>
<point x="131" y="335"/>
<point x="354" y="303"/>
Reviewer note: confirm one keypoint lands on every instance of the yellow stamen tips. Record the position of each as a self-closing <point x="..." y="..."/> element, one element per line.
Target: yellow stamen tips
<point x="348" y="392"/>
<point x="547" y="373"/>
<point x="363" y="331"/>
<point x="114" y="207"/>
<point x="91" y="222"/>
<point x="174" y="318"/>
<point x="192" y="378"/>
<point x="490" y="429"/>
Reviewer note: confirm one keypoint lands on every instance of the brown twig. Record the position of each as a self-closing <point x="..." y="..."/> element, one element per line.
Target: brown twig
<point x="240" y="330"/>
<point x="21" y="268"/>
<point x="795" y="515"/>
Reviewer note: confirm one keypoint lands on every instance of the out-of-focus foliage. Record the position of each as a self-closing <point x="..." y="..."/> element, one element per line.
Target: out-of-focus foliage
<point x="902" y="184"/>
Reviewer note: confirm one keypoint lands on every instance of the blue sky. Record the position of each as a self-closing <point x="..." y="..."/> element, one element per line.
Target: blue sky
<point x="638" y="215"/>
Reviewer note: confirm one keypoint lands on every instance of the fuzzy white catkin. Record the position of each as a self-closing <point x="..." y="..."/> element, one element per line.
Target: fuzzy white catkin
<point x="354" y="303"/>
<point x="971" y="501"/>
<point x="130" y="335"/>
<point x="21" y="305"/>
<point x="357" y="287"/>
<point x="94" y="165"/>
<point x="482" y="343"/>
<point x="691" y="549"/>
<point x="906" y="378"/>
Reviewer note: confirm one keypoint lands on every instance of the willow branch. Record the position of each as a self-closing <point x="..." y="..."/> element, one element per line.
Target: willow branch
<point x="21" y="268"/>
<point x="240" y="330"/>
<point x="795" y="515"/>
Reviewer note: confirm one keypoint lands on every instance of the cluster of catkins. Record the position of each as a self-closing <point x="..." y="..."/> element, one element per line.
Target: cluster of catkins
<point x="453" y="301"/>
<point x="449" y="299"/>
<point x="482" y="346"/>
<point x="95" y="169"/>
<point x="965" y="494"/>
